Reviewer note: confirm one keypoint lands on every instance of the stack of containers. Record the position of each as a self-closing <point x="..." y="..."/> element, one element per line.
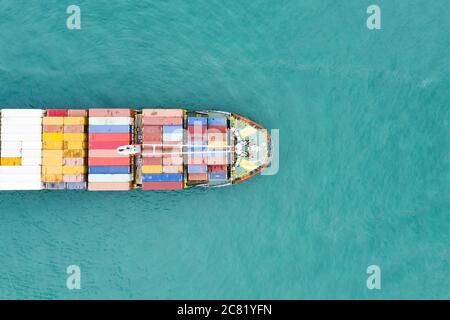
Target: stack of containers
<point x="75" y="150"/>
<point x="64" y="149"/>
<point x="218" y="153"/>
<point x="21" y="149"/>
<point x="108" y="130"/>
<point x="197" y="149"/>
<point x="162" y="158"/>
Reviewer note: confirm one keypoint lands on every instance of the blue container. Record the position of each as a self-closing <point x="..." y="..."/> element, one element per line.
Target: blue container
<point x="109" y="129"/>
<point x="55" y="185"/>
<point x="198" y="149"/>
<point x="109" y="170"/>
<point x="76" y="185"/>
<point x="219" y="122"/>
<point x="172" y="129"/>
<point x="162" y="177"/>
<point x="197" y="121"/>
<point x="217" y="176"/>
<point x="200" y="168"/>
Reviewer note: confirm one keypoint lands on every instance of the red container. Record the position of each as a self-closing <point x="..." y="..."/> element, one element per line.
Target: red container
<point x="74" y="128"/>
<point x="109" y="161"/>
<point x="152" y="129"/>
<point x="167" y="121"/>
<point x="151" y="161"/>
<point x="162" y="185"/>
<point x="197" y="176"/>
<point x="152" y="138"/>
<point x="109" y="113"/>
<point x="197" y="160"/>
<point x="57" y="113"/>
<point x="197" y="129"/>
<point x="218" y="168"/>
<point x="105" y="144"/>
<point x="77" y="113"/>
<point x="106" y="137"/>
<point x="217" y="129"/>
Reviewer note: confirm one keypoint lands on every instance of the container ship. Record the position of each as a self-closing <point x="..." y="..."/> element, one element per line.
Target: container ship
<point x="125" y="149"/>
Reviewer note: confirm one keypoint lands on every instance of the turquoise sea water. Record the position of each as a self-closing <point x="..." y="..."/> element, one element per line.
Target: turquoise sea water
<point x="364" y="149"/>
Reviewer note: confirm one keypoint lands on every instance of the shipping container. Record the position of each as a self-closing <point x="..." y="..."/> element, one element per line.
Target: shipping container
<point x="151" y="161"/>
<point x="152" y="169"/>
<point x="110" y="161"/>
<point x="162" y="177"/>
<point x="54" y="121"/>
<point x="110" y="121"/>
<point x="109" y="129"/>
<point x="98" y="137"/>
<point x="109" y="169"/>
<point x="109" y="186"/>
<point x="197" y="169"/>
<point x="57" y="113"/>
<point x="106" y="145"/>
<point x="77" y="113"/>
<point x="163" y="113"/>
<point x="214" y="176"/>
<point x="197" y="121"/>
<point x="217" y="122"/>
<point x="197" y="176"/>
<point x="109" y="113"/>
<point x="75" y="121"/>
<point x="22" y="113"/>
<point x="110" y="178"/>
<point x="162" y="185"/>
<point x="76" y="185"/>
<point x="74" y="129"/>
<point x="151" y="121"/>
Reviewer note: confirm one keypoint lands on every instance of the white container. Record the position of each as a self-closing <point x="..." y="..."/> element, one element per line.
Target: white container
<point x="20" y="137"/>
<point x="31" y="185"/>
<point x="31" y="153"/>
<point x="15" y="178"/>
<point x="22" y="113"/>
<point x="31" y="161"/>
<point x="11" y="153"/>
<point x="21" y="122"/>
<point x="32" y="129"/>
<point x="110" y="177"/>
<point x="110" y="121"/>
<point x="20" y="170"/>
<point x="11" y="145"/>
<point x="175" y="136"/>
<point x="32" y="145"/>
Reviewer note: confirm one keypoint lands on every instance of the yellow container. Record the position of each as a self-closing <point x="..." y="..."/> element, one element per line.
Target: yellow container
<point x="75" y="120"/>
<point x="152" y="169"/>
<point x="52" y="136"/>
<point x="50" y="170"/>
<point x="52" y="120"/>
<point x="74" y="170"/>
<point x="216" y="144"/>
<point x="52" y="161"/>
<point x="11" y="161"/>
<point x="52" y="177"/>
<point x="75" y="145"/>
<point x="75" y="137"/>
<point x="53" y="145"/>
<point x="74" y="154"/>
<point x="52" y="153"/>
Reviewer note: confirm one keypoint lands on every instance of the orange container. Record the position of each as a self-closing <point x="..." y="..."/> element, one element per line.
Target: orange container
<point x="74" y="128"/>
<point x="197" y="176"/>
<point x="77" y="113"/>
<point x="53" y="128"/>
<point x="172" y="169"/>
